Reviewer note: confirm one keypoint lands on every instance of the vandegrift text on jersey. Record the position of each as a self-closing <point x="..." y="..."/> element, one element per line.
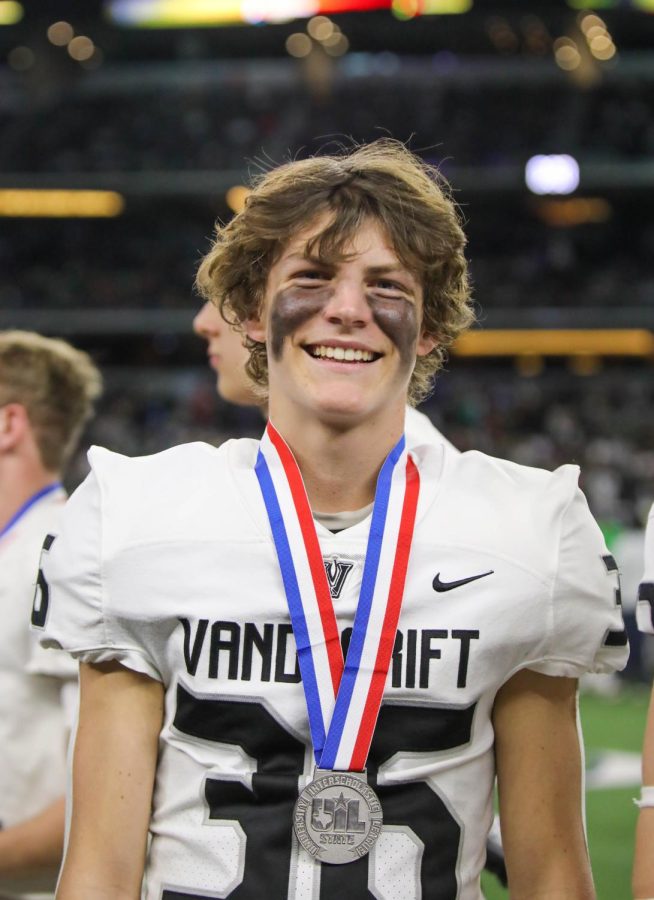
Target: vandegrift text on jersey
<point x="245" y="651"/>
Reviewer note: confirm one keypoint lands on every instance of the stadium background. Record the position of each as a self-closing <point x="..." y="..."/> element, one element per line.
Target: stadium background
<point x="128" y="127"/>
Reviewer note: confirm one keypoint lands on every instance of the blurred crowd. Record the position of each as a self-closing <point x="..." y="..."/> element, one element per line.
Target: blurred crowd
<point x="218" y="124"/>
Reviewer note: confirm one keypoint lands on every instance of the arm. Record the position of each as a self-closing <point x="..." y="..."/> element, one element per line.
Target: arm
<point x="643" y="874"/>
<point x="539" y="775"/>
<point x="34" y="844"/>
<point x="114" y="765"/>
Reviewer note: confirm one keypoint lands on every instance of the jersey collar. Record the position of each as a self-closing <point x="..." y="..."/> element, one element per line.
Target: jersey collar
<point x="29" y="503"/>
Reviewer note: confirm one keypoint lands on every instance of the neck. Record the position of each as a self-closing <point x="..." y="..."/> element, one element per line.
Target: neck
<point x="340" y="466"/>
<point x="17" y="484"/>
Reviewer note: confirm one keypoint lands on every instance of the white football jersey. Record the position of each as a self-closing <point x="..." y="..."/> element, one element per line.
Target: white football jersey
<point x="419" y="429"/>
<point x="645" y="605"/>
<point x="33" y="731"/>
<point x="167" y="564"/>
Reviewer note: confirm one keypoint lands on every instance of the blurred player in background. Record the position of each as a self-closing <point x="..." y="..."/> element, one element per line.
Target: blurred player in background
<point x="47" y="389"/>
<point x="482" y="589"/>
<point x="643" y="873"/>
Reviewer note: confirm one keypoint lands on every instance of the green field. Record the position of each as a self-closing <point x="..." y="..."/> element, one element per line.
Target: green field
<point x="614" y="724"/>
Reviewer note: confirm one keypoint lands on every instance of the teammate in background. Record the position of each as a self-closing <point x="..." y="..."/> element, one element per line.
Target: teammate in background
<point x="643" y="872"/>
<point x="227" y="357"/>
<point x="482" y="590"/>
<point x="46" y="393"/>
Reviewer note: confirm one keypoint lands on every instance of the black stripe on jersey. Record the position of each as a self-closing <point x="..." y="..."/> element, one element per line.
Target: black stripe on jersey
<point x="616" y="639"/>
<point x="41" y="599"/>
<point x="612" y="566"/>
<point x="646" y="595"/>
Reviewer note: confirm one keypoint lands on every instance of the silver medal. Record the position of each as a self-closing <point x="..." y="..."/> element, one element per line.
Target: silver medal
<point x="337" y="817"/>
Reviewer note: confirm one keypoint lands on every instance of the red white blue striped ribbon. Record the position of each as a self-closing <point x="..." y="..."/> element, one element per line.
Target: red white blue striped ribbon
<point x="343" y="700"/>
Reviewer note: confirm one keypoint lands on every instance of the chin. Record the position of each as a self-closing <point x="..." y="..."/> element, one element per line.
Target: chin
<point x="345" y="408"/>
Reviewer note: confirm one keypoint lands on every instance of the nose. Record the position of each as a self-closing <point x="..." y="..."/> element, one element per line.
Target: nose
<point x="348" y="305"/>
<point x="207" y="321"/>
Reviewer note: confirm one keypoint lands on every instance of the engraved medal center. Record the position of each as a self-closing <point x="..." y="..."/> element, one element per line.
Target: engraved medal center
<point x="338" y="818"/>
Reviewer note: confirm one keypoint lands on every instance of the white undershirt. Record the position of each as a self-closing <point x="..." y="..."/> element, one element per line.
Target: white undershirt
<point x="339" y="521"/>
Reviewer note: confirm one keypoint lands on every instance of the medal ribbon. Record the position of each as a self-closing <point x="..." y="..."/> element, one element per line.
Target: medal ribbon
<point x="343" y="698"/>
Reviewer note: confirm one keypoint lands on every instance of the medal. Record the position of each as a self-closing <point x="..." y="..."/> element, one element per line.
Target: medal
<point x="338" y="817"/>
<point x="339" y="820"/>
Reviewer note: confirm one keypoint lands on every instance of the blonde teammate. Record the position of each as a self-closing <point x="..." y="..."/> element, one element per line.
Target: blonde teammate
<point x="46" y="394"/>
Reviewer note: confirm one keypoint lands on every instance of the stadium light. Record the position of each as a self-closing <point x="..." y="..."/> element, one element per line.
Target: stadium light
<point x="10" y="12"/>
<point x="62" y="204"/>
<point x="536" y="342"/>
<point x="554" y="174"/>
<point x="236" y="197"/>
<point x="197" y="13"/>
<point x="60" y="33"/>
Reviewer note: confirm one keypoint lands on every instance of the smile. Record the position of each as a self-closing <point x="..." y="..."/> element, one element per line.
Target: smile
<point x="341" y="354"/>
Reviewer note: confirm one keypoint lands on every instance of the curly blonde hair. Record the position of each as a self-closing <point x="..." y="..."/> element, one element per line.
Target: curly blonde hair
<point x="383" y="181"/>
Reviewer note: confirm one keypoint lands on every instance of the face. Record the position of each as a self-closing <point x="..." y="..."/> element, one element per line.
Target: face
<point x="227" y="356"/>
<point x="342" y="338"/>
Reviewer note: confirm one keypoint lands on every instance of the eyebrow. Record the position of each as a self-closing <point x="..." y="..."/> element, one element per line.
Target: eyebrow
<point x="372" y="270"/>
<point x="304" y="257"/>
<point x="385" y="270"/>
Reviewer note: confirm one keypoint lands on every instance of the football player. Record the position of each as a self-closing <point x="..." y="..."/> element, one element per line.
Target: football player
<point x="254" y="723"/>
<point x="228" y="357"/>
<point x="643" y="872"/>
<point x="46" y="394"/>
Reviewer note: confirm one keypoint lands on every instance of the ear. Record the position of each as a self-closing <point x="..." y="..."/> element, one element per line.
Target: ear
<point x="14" y="425"/>
<point x="255" y="329"/>
<point x="426" y="343"/>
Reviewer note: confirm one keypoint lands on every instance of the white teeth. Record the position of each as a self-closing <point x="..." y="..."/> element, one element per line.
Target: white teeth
<point x="342" y="354"/>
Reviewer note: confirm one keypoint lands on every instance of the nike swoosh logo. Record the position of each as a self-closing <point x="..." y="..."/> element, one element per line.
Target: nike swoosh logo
<point x="442" y="586"/>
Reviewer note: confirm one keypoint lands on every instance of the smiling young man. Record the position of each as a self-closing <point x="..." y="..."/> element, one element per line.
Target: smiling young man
<point x="228" y="357"/>
<point x="285" y="729"/>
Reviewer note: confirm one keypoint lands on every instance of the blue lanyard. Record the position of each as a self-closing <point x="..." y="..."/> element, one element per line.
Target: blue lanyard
<point x="28" y="505"/>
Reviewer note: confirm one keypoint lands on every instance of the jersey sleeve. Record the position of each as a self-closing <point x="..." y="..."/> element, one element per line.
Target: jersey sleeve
<point x="645" y="605"/>
<point x="52" y="663"/>
<point x="587" y="630"/>
<point x="420" y="429"/>
<point x="70" y="610"/>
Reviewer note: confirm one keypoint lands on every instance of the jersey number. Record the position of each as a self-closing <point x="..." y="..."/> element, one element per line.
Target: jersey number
<point x="264" y="812"/>
<point x="41" y="600"/>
